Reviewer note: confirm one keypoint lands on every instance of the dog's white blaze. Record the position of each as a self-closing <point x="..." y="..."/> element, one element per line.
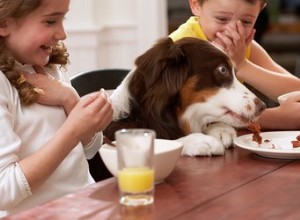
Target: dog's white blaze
<point x="236" y="98"/>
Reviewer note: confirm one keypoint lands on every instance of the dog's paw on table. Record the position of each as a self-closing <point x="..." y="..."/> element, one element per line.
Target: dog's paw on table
<point x="198" y="144"/>
<point x="222" y="132"/>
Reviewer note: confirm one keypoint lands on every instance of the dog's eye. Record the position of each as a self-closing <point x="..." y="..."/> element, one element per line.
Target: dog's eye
<point x="222" y="69"/>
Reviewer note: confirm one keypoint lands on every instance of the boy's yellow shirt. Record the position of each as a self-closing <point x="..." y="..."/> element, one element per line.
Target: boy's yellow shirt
<point x="192" y="29"/>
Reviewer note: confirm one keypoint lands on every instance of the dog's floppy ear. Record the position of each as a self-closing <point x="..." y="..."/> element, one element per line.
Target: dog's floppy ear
<point x="164" y="63"/>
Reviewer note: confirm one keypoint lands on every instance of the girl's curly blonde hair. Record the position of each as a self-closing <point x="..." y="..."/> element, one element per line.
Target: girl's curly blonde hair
<point x="59" y="56"/>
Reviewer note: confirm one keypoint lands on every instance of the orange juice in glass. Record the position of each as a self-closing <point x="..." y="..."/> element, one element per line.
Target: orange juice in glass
<point x="135" y="149"/>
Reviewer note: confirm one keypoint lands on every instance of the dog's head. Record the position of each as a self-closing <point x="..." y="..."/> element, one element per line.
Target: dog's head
<point x="177" y="88"/>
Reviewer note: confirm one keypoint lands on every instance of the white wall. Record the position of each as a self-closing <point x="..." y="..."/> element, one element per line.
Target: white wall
<point x="112" y="33"/>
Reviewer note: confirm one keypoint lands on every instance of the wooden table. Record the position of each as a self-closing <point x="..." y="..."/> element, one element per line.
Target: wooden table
<point x="238" y="185"/>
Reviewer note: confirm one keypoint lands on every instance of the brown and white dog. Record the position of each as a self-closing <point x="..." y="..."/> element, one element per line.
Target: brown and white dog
<point x="185" y="90"/>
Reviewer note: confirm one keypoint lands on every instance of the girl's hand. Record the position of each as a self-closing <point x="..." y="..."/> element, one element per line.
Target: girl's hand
<point x="55" y="92"/>
<point x="235" y="42"/>
<point x="284" y="117"/>
<point x="290" y="111"/>
<point x="92" y="114"/>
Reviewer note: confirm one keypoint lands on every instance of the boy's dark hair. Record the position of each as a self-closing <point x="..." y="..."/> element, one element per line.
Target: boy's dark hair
<point x="262" y="2"/>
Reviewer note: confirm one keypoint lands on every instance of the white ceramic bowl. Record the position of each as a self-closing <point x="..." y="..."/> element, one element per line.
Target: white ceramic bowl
<point x="283" y="97"/>
<point x="166" y="153"/>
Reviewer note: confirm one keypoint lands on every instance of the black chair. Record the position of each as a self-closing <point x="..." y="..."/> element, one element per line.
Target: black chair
<point x="91" y="81"/>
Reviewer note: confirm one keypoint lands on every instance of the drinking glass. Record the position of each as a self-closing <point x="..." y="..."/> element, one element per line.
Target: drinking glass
<point x="135" y="148"/>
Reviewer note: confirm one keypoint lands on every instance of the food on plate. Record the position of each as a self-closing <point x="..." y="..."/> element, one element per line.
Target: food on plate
<point x="255" y="128"/>
<point x="267" y="144"/>
<point x="296" y="143"/>
<point x="280" y="143"/>
<point x="271" y="144"/>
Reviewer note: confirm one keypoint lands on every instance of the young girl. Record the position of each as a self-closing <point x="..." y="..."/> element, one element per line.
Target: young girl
<point x="229" y="25"/>
<point x="46" y="130"/>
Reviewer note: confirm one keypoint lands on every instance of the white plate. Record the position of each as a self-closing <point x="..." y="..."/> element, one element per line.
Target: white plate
<point x="280" y="139"/>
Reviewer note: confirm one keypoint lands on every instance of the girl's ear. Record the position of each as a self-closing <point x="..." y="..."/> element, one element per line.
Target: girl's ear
<point x="195" y="7"/>
<point x="4" y="28"/>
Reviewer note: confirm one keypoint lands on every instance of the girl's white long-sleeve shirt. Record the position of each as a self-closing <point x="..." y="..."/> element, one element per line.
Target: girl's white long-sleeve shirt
<point x="23" y="131"/>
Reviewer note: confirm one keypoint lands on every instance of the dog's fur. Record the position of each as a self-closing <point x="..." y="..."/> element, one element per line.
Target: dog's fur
<point x="185" y="90"/>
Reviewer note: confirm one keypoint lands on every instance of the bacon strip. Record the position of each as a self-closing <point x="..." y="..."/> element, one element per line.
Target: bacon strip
<point x="296" y="143"/>
<point x="255" y="128"/>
